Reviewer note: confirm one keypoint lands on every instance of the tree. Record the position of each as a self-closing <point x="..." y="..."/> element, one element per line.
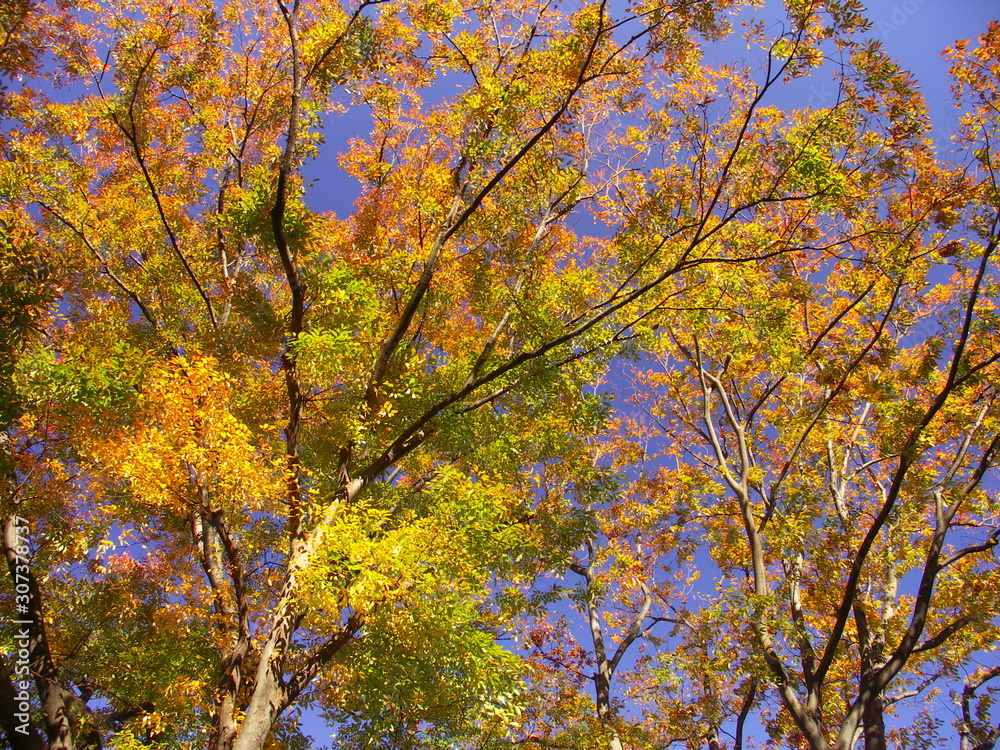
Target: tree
<point x="822" y="426"/>
<point x="275" y="459"/>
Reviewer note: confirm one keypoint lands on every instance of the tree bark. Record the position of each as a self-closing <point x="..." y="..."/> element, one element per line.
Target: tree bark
<point x="872" y="645"/>
<point x="29" y="738"/>
<point x="60" y="705"/>
<point x="873" y="723"/>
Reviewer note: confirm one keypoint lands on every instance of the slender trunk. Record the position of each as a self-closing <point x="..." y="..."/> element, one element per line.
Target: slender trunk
<point x="873" y="723"/>
<point x="602" y="689"/>
<point x="268" y="698"/>
<point x="872" y="646"/>
<point x="744" y="713"/>
<point x="605" y="668"/>
<point x="264" y="710"/>
<point x="59" y="705"/>
<point x="20" y="735"/>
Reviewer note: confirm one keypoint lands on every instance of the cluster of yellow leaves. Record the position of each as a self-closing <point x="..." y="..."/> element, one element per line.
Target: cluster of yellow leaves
<point x="187" y="450"/>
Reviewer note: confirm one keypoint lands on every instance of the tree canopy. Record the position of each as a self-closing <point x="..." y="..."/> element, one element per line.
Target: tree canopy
<point x="632" y="405"/>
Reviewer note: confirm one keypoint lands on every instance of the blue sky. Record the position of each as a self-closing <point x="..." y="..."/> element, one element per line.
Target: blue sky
<point x="915" y="32"/>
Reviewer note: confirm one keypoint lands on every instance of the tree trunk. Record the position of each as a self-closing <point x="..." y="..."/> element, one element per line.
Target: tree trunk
<point x="266" y="703"/>
<point x="56" y="703"/>
<point x="29" y="738"/>
<point x="602" y="689"/>
<point x="873" y="723"/>
<point x="872" y="647"/>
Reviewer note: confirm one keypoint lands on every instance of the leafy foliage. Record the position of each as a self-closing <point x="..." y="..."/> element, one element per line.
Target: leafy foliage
<point x="274" y="459"/>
